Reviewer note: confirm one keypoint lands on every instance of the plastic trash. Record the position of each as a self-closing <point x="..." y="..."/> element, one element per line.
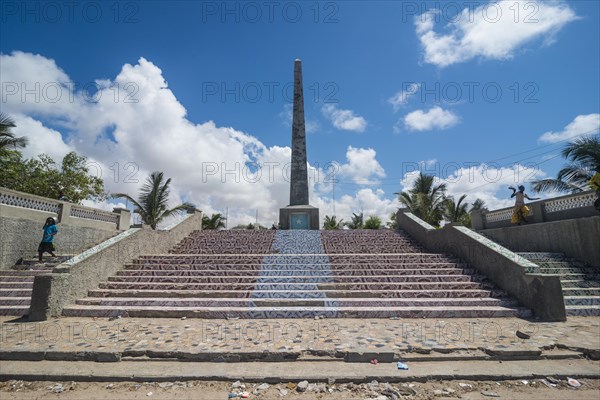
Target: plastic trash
<point x="573" y="382"/>
<point x="374" y="361"/>
<point x="401" y="365"/>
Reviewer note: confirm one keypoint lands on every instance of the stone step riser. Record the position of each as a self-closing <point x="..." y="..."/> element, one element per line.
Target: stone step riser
<point x="468" y="312"/>
<point x="21" y="279"/>
<point x="15" y="293"/>
<point x="580" y="284"/>
<point x="296" y="272"/>
<point x="15" y="301"/>
<point x="32" y="273"/>
<point x="585" y="301"/>
<point x="581" y="291"/>
<point x="292" y="286"/>
<point x="584" y="313"/>
<point x="298" y="302"/>
<point x="15" y="311"/>
<point x="16" y="285"/>
<point x="463" y="294"/>
<point x="278" y="280"/>
<point x="293" y="267"/>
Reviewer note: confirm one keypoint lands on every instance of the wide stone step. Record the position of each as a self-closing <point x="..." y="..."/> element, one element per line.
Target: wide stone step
<point x="288" y="312"/>
<point x="282" y="280"/>
<point x="14" y="278"/>
<point x="583" y="311"/>
<point x="7" y="292"/>
<point x="16" y="285"/>
<point x="384" y="293"/>
<point x="289" y="266"/>
<point x="292" y="286"/>
<point x="299" y="273"/>
<point x="566" y="283"/>
<point x="310" y="302"/>
<point x="16" y="311"/>
<point x="582" y="300"/>
<point x="15" y="301"/>
<point x="32" y="273"/>
<point x="566" y="270"/>
<point x="541" y="255"/>
<point x="580" y="291"/>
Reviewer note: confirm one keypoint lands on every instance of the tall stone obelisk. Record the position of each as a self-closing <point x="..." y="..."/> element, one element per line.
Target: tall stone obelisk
<point x="298" y="214"/>
<point x="299" y="173"/>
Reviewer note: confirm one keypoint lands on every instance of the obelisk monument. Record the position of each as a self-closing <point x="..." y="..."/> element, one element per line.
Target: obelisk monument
<point x="298" y="214"/>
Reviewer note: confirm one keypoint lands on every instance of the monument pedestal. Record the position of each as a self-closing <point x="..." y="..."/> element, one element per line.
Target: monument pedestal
<point x="299" y="217"/>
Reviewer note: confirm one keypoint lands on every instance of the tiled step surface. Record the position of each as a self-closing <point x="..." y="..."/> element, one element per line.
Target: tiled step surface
<point x="16" y="284"/>
<point x="297" y="274"/>
<point x="581" y="284"/>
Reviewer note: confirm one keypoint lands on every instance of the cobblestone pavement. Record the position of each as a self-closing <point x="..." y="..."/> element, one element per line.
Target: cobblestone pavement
<point x="149" y="337"/>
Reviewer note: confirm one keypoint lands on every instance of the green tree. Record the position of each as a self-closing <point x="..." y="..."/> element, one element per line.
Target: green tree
<point x="583" y="156"/>
<point x="456" y="211"/>
<point x="393" y="222"/>
<point x="42" y="176"/>
<point x="153" y="200"/>
<point x="357" y="221"/>
<point x="215" y="221"/>
<point x="8" y="140"/>
<point x="331" y="223"/>
<point x="425" y="200"/>
<point x="478" y="204"/>
<point x="373" y="222"/>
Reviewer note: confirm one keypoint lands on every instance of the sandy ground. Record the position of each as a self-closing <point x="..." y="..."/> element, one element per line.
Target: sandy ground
<point x="514" y="390"/>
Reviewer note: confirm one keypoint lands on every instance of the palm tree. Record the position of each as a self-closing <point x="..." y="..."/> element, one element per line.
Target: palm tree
<point x="153" y="199"/>
<point x="456" y="211"/>
<point x="331" y="223"/>
<point x="215" y="221"/>
<point x="373" y="222"/>
<point x="357" y="221"/>
<point x="478" y="204"/>
<point x="425" y="200"/>
<point x="7" y="137"/>
<point x="583" y="155"/>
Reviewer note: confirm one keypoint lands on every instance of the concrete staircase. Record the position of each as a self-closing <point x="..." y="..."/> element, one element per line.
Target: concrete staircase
<point x="297" y="274"/>
<point x="16" y="284"/>
<point x="580" y="283"/>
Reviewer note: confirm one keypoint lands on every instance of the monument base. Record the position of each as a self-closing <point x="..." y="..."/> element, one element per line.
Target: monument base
<point x="299" y="217"/>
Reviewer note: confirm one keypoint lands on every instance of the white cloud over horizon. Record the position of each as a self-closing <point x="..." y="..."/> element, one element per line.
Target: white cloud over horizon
<point x="344" y="119"/>
<point x="582" y="125"/>
<point x="219" y="169"/>
<point x="434" y="118"/>
<point x="495" y="30"/>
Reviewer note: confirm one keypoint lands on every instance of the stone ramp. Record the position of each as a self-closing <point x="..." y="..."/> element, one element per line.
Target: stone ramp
<point x="297" y="274"/>
<point x="16" y="284"/>
<point x="580" y="283"/>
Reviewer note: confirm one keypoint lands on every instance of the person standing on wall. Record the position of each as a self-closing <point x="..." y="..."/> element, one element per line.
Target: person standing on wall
<point x="521" y="211"/>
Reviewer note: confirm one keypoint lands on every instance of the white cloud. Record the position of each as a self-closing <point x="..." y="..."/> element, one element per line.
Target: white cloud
<point x="435" y="118"/>
<point x="484" y="181"/>
<point x="401" y="98"/>
<point x="581" y="125"/>
<point x="362" y="167"/>
<point x="344" y="119"/>
<point x="495" y="30"/>
<point x="368" y="201"/>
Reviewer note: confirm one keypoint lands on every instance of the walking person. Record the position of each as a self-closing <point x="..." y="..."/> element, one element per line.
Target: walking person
<point x="520" y="211"/>
<point x="46" y="245"/>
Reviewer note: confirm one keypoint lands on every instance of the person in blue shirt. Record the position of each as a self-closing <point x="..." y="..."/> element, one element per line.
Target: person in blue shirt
<point x="46" y="245"/>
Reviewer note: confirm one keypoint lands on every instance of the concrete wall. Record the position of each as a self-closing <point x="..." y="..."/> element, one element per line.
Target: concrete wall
<point x="579" y="205"/>
<point x="21" y="227"/>
<point x="72" y="280"/>
<point x="577" y="238"/>
<point x="541" y="293"/>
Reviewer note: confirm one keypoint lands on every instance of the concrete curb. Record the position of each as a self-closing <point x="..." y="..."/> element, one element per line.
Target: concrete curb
<point x="277" y="372"/>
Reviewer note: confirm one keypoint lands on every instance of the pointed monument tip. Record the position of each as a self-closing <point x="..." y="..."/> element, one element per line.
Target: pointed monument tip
<point x="297" y="60"/>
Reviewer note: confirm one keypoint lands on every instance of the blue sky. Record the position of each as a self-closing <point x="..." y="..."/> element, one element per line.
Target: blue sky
<point x="481" y="94"/>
